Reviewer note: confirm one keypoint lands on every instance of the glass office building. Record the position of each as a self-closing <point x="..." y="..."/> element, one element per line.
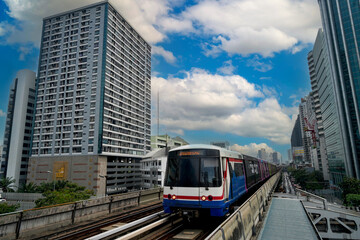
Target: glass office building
<point x="341" y="23"/>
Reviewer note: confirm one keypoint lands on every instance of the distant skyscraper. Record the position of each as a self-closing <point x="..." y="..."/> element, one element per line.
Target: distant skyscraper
<point x="341" y="23"/>
<point x="19" y="119"/>
<point x="224" y="144"/>
<point x="297" y="145"/>
<point x="296" y="135"/>
<point x="262" y="154"/>
<point x="93" y="100"/>
<point x="289" y="155"/>
<point x="276" y="157"/>
<point x="306" y="136"/>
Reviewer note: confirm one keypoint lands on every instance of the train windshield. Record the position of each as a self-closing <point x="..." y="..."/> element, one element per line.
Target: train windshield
<point x="191" y="171"/>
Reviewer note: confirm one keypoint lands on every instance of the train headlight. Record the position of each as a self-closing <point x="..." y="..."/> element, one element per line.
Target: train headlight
<point x="173" y="197"/>
<point x="210" y="198"/>
<point x="203" y="198"/>
<point x="169" y="196"/>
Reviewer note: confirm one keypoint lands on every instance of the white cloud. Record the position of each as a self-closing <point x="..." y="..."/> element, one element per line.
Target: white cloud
<point x="258" y="64"/>
<point x="237" y="27"/>
<point x="143" y="15"/>
<point x="256" y="26"/>
<point x="204" y="101"/>
<point x="3" y="29"/>
<point x="252" y="149"/>
<point x="227" y="69"/>
<point x="23" y="52"/>
<point x="175" y="25"/>
<point x="2" y="113"/>
<point x="269" y="91"/>
<point x="167" y="55"/>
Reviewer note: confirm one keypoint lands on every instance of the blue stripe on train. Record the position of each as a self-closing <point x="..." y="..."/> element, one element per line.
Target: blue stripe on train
<point x="217" y="208"/>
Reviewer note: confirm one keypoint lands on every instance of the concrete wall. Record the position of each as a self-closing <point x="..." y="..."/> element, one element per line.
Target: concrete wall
<point x="26" y="200"/>
<point x="84" y="170"/>
<point x="29" y="223"/>
<point x="241" y="224"/>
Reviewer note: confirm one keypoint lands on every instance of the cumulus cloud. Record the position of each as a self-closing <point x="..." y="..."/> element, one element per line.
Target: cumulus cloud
<point x="252" y="149"/>
<point x="259" y="65"/>
<point x="230" y="104"/>
<point x="2" y="113"/>
<point x="143" y="15"/>
<point x="236" y="27"/>
<point x="227" y="69"/>
<point x="256" y="26"/>
<point x="167" y="55"/>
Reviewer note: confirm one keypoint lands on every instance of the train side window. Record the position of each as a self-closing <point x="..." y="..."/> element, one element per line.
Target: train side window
<point x="238" y="167"/>
<point x="256" y="168"/>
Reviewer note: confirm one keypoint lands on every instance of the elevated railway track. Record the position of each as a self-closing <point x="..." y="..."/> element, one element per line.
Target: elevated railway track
<point x="173" y="226"/>
<point x="139" y="217"/>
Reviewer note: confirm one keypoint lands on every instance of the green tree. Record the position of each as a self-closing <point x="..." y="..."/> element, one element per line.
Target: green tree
<point x="6" y="208"/>
<point x="7" y="184"/>
<point x="65" y="192"/>
<point x="28" y="188"/>
<point x="353" y="199"/>
<point x="349" y="186"/>
<point x="306" y="180"/>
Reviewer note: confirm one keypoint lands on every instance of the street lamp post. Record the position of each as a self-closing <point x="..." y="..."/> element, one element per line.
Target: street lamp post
<point x="53" y="180"/>
<point x="106" y="179"/>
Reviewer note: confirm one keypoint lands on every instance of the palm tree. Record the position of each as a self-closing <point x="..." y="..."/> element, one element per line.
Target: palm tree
<point x="28" y="188"/>
<point x="7" y="184"/>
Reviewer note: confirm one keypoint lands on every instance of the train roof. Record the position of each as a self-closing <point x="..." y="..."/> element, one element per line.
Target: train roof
<point x="223" y="151"/>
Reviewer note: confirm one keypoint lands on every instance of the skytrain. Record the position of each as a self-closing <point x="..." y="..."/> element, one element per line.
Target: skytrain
<point x="208" y="180"/>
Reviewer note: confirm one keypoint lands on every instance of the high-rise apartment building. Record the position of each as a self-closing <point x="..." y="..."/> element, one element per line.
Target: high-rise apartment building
<point x="341" y="24"/>
<point x="19" y="120"/>
<point x="93" y="100"/>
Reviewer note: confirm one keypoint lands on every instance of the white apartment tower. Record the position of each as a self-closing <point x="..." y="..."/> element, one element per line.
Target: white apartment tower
<point x="93" y="100"/>
<point x="19" y="120"/>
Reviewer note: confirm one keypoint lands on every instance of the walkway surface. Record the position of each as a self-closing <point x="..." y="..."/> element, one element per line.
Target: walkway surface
<point x="287" y="219"/>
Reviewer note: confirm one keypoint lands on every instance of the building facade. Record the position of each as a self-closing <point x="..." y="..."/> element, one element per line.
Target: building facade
<point x="162" y="141"/>
<point x="276" y="157"/>
<point x="341" y="24"/>
<point x="222" y="144"/>
<point x="331" y="136"/>
<point x="153" y="167"/>
<point x="262" y="154"/>
<point x="297" y="147"/>
<point x="306" y="136"/>
<point x="93" y="100"/>
<point x="19" y="120"/>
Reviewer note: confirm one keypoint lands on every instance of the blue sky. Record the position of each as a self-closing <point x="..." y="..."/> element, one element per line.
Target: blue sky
<point x="225" y="70"/>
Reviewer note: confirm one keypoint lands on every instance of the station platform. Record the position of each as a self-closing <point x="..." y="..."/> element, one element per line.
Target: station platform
<point x="287" y="219"/>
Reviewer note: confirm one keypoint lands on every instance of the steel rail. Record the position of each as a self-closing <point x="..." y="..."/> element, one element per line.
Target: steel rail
<point x="124" y="227"/>
<point x="144" y="229"/>
<point x="66" y="234"/>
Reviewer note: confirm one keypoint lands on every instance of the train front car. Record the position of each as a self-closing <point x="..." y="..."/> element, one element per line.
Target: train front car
<point x="194" y="181"/>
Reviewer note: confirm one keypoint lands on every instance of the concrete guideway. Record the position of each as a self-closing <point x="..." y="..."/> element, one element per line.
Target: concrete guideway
<point x="332" y="221"/>
<point x="242" y="223"/>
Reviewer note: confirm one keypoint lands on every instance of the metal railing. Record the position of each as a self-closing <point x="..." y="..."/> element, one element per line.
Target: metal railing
<point x="310" y="195"/>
